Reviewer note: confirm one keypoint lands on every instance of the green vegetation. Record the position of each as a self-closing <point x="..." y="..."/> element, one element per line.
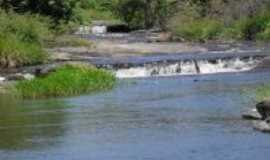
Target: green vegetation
<point x="21" y="39"/>
<point x="68" y="80"/>
<point x="203" y="20"/>
<point x="263" y="93"/>
<point x="199" y="30"/>
<point x="58" y="10"/>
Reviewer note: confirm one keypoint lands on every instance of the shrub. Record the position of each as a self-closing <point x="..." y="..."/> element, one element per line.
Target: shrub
<point x="68" y="80"/>
<point x="265" y="35"/>
<point x="143" y="13"/>
<point x="56" y="9"/>
<point x="27" y="28"/>
<point x="21" y="39"/>
<point x="198" y="30"/>
<point x="15" y="53"/>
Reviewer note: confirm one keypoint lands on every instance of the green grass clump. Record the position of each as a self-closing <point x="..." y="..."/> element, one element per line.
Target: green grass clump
<point x="263" y="93"/>
<point x="68" y="80"/>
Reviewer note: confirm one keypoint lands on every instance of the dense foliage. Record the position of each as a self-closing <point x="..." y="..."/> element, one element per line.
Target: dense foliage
<point x="202" y="20"/>
<point x="56" y="9"/>
<point x="196" y="20"/>
<point x="21" y="39"/>
<point x="143" y="13"/>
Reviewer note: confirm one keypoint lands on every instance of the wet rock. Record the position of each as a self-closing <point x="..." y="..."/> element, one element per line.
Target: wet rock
<point x="43" y="72"/>
<point x="15" y="77"/>
<point x="262" y="126"/>
<point x="265" y="64"/>
<point x="20" y="77"/>
<point x="252" y="115"/>
<point x="264" y="109"/>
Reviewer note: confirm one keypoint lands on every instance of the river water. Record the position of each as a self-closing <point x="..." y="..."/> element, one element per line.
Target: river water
<point x="160" y="118"/>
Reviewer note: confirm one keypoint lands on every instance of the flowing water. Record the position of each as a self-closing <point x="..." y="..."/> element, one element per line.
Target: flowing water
<point x="189" y="67"/>
<point x="194" y="117"/>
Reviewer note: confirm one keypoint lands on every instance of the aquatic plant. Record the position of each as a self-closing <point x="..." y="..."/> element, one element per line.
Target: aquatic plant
<point x="68" y="80"/>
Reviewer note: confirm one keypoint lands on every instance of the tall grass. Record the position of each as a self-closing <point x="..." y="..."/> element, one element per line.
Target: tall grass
<point x="16" y="53"/>
<point x="21" y="39"/>
<point x="27" y="28"/>
<point x="68" y="80"/>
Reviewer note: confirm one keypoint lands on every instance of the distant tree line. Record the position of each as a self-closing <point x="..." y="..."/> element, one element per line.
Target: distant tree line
<point x="56" y="9"/>
<point x="138" y="13"/>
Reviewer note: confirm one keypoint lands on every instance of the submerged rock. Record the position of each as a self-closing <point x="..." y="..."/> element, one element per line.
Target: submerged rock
<point x="20" y="77"/>
<point x="252" y="115"/>
<point x="264" y="109"/>
<point x="262" y="126"/>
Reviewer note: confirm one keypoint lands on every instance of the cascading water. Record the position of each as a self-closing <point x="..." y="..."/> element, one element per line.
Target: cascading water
<point x="189" y="67"/>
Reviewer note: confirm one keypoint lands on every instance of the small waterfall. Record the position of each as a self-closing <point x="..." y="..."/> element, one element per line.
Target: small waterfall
<point x="189" y="67"/>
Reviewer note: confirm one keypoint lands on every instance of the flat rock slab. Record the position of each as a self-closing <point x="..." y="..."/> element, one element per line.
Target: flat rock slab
<point x="262" y="126"/>
<point x="252" y="115"/>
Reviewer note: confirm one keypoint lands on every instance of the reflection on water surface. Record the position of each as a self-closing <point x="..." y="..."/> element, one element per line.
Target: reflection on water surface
<point x="188" y="117"/>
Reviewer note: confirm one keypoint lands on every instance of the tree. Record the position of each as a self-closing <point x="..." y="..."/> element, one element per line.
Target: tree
<point x="56" y="9"/>
<point x="143" y="13"/>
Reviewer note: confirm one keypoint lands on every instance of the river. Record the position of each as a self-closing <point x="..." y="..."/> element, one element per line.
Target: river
<point x="194" y="117"/>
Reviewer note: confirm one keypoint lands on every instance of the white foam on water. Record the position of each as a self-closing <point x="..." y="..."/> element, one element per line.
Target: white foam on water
<point x="189" y="68"/>
<point x="133" y="72"/>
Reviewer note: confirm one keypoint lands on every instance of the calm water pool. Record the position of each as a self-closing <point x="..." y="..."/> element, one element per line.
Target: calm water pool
<point x="169" y="118"/>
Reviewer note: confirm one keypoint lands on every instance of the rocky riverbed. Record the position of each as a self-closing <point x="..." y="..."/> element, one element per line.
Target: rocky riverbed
<point x="260" y="116"/>
<point x="141" y="49"/>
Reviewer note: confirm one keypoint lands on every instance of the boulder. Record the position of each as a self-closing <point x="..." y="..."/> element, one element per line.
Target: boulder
<point x="252" y="115"/>
<point x="45" y="71"/>
<point x="15" y="77"/>
<point x="2" y="79"/>
<point x="264" y="109"/>
<point x="262" y="126"/>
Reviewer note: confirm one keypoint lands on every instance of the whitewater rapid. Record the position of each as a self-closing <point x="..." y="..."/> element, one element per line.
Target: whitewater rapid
<point x="189" y="67"/>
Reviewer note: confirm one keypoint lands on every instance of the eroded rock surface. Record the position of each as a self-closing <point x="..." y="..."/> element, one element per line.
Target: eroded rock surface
<point x="252" y="115"/>
<point x="262" y="126"/>
<point x="264" y="109"/>
<point x="260" y="116"/>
